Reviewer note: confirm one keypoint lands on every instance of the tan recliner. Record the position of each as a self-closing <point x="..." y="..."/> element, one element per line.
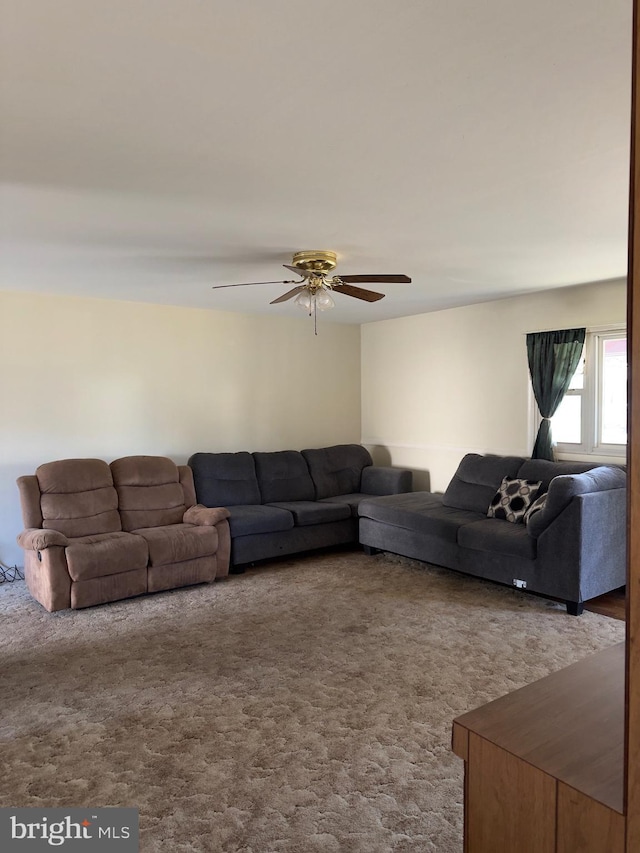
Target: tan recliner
<point x="79" y="515"/>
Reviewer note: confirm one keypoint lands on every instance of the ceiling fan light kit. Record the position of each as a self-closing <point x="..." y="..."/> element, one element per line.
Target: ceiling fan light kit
<point x="313" y="292"/>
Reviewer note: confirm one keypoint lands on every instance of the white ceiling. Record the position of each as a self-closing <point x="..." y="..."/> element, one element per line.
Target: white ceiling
<point x="153" y="148"/>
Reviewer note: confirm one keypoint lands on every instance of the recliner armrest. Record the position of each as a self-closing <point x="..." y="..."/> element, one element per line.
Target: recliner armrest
<point x="37" y="539"/>
<point x="381" y="480"/>
<point x="205" y="516"/>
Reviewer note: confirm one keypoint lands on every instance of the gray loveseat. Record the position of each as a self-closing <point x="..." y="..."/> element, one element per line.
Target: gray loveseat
<point x="572" y="549"/>
<point x="288" y="501"/>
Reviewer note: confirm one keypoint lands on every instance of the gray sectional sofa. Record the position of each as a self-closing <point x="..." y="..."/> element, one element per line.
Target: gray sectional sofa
<point x="288" y="501"/>
<point x="572" y="549"/>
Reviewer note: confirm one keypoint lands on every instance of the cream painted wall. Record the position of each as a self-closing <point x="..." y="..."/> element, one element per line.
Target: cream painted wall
<point x="88" y="377"/>
<point x="439" y="385"/>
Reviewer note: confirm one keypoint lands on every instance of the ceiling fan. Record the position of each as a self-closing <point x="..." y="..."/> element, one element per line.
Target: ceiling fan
<point x="313" y="292"/>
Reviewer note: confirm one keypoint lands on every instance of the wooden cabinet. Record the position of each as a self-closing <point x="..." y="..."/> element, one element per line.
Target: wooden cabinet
<point x="585" y="824"/>
<point x="544" y="765"/>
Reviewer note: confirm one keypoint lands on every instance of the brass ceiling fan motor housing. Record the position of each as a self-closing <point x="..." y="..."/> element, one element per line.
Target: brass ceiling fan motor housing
<point x="317" y="262"/>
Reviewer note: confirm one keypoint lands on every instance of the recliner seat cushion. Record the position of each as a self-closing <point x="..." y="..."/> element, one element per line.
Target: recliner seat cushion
<point x="314" y="512"/>
<point x="225" y="479"/>
<point x="247" y="520"/>
<point x="337" y="470"/>
<point x="283" y="476"/>
<point x="176" y="543"/>
<point x="105" y="554"/>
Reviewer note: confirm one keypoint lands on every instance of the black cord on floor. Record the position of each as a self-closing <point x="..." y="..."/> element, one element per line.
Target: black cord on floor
<point x="10" y="573"/>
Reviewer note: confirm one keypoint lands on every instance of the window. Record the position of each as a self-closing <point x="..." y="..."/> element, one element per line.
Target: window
<point x="592" y="418"/>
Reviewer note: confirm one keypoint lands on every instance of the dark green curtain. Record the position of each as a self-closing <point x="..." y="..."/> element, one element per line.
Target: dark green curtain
<point x="553" y="359"/>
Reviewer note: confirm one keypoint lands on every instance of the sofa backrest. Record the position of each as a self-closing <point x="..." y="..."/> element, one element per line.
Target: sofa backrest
<point x="565" y="487"/>
<point x="75" y="496"/>
<point x="545" y="470"/>
<point x="149" y="491"/>
<point x="225" y="479"/>
<point x="337" y="470"/>
<point x="477" y="480"/>
<point x="283" y="475"/>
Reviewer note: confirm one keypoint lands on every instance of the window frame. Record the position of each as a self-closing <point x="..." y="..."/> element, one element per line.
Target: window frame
<point x="590" y="447"/>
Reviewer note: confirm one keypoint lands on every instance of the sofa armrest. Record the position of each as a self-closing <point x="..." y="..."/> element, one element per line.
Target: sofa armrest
<point x="582" y="553"/>
<point x="564" y="488"/>
<point x="205" y="516"/>
<point x="381" y="480"/>
<point x="37" y="539"/>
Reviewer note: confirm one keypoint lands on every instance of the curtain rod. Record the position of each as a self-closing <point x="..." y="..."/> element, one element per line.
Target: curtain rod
<point x="539" y="331"/>
<point x="607" y="328"/>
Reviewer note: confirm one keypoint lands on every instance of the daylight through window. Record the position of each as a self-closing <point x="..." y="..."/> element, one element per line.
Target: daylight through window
<point x="592" y="418"/>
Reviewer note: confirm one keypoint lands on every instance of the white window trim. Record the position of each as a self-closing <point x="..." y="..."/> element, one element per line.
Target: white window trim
<point x="587" y="451"/>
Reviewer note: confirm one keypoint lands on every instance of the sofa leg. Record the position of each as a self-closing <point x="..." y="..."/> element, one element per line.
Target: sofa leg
<point x="575" y="608"/>
<point x="369" y="550"/>
<point x="237" y="570"/>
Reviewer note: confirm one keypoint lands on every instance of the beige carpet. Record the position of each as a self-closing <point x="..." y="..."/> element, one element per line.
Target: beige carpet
<point x="304" y="706"/>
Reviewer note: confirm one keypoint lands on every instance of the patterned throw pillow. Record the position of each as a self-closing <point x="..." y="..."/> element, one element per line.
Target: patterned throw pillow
<point x="535" y="507"/>
<point x="513" y="499"/>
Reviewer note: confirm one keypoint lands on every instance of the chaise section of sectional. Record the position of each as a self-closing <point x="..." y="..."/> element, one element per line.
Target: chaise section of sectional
<point x="571" y="549"/>
<point x="413" y="525"/>
<point x="426" y="525"/>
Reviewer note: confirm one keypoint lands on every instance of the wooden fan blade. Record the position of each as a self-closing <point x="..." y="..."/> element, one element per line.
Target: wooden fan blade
<point x="288" y="295"/>
<point x="249" y="284"/>
<point x="358" y="292"/>
<point x="388" y="279"/>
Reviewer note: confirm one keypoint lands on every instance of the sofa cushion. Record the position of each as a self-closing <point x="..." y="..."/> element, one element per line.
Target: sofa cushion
<point x="105" y="554"/>
<point x="225" y="479"/>
<point x="283" y="476"/>
<point x="247" y="520"/>
<point x="477" y="479"/>
<point x="314" y="512"/>
<point x="513" y="499"/>
<point x="493" y="535"/>
<point x="78" y="498"/>
<point x="422" y="512"/>
<point x="149" y="491"/>
<point x="337" y="470"/>
<point x="353" y="501"/>
<point x="176" y="543"/>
